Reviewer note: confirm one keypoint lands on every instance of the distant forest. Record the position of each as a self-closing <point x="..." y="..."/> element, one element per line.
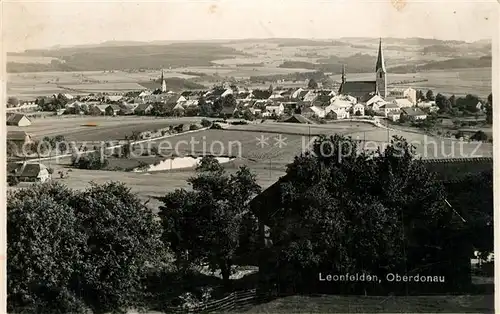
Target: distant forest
<point x="126" y="57"/>
<point x="129" y="55"/>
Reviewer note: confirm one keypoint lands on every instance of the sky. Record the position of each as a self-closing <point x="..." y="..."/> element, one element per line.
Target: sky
<point x="41" y="24"/>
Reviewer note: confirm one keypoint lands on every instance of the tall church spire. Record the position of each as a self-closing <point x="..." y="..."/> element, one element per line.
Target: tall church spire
<point x="163" y="83"/>
<point x="380" y="58"/>
<point x="343" y="73"/>
<point x="380" y="73"/>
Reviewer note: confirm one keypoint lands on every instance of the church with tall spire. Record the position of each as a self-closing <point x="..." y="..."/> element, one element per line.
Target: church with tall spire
<point x="365" y="89"/>
<point x="163" y="83"/>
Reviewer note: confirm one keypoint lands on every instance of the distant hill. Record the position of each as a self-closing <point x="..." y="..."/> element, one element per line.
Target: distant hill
<point x="455" y="63"/>
<point x="128" y="57"/>
<point x="173" y="83"/>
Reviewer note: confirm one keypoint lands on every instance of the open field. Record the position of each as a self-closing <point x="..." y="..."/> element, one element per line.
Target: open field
<point x="32" y="85"/>
<point x="148" y="185"/>
<point x="108" y="128"/>
<point x="360" y="304"/>
<point x="459" y="82"/>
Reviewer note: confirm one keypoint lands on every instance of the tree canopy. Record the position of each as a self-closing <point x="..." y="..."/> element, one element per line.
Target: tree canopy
<point x="71" y="251"/>
<point x="203" y="226"/>
<point x="343" y="211"/>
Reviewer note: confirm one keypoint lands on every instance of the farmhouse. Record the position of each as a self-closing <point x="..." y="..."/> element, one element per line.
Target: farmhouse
<point x="358" y="110"/>
<point x="97" y="110"/>
<point x="144" y="108"/>
<point x="277" y="110"/>
<point x="403" y="103"/>
<point x="313" y="111"/>
<point x="389" y="108"/>
<point x="18" y="119"/>
<point x="112" y="110"/>
<point x="25" y="172"/>
<point x="414" y="113"/>
<point x="362" y="89"/>
<point x="228" y="112"/>
<point x="297" y="118"/>
<point x="19" y="138"/>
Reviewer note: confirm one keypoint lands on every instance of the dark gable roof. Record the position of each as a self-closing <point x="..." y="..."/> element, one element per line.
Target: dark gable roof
<point x="114" y="107"/>
<point x="412" y="111"/>
<point x="14" y="118"/>
<point x="358" y="88"/>
<point x="25" y="170"/>
<point x="142" y="107"/>
<point x="297" y="118"/>
<point x="16" y="135"/>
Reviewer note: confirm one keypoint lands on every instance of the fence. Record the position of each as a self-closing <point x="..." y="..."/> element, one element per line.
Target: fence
<point x="235" y="301"/>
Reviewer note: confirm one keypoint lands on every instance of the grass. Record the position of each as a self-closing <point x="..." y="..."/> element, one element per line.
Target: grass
<point x="360" y="304"/>
<point x="108" y="128"/>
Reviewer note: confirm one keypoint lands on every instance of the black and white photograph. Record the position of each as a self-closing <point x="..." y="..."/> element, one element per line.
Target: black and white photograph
<point x="260" y="156"/>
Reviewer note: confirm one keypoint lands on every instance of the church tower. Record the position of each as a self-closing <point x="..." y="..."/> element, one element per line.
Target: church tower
<point x="381" y="73"/>
<point x="163" y="83"/>
<point x="343" y="74"/>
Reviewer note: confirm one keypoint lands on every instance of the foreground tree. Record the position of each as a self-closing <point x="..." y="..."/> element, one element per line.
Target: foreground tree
<point x="71" y="251"/>
<point x="204" y="225"/>
<point x="339" y="211"/>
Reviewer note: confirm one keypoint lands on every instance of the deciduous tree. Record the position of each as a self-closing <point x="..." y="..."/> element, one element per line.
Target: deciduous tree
<point x="206" y="223"/>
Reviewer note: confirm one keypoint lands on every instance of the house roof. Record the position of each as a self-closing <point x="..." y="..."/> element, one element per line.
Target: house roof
<point x="16" y="135"/>
<point x="297" y="118"/>
<point x="228" y="110"/>
<point x="404" y="102"/>
<point x="15" y="118"/>
<point x="114" y="107"/>
<point x="25" y="170"/>
<point x="142" y="107"/>
<point x="413" y="111"/>
<point x="358" y="88"/>
<point x="390" y="105"/>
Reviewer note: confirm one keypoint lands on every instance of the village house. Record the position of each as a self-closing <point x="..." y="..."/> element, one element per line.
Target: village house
<point x="426" y="104"/>
<point x="97" y="110"/>
<point x="112" y="110"/>
<point x="414" y="113"/>
<point x="403" y="102"/>
<point x="17" y="119"/>
<point x="358" y="110"/>
<point x="411" y="95"/>
<point x="19" y="138"/>
<point x="228" y="112"/>
<point x="277" y="110"/>
<point x="337" y="113"/>
<point x="389" y="108"/>
<point x="394" y="116"/>
<point x="313" y="111"/>
<point x="26" y="172"/>
<point x="144" y="109"/>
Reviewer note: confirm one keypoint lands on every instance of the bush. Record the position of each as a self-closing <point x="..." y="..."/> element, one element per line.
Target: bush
<point x="193" y="127"/>
<point x="216" y="126"/>
<point x="92" y="161"/>
<point x="459" y="134"/>
<point x="205" y="123"/>
<point x="12" y="180"/>
<point x="239" y="123"/>
<point x="50" y="170"/>
<point x="479" y="136"/>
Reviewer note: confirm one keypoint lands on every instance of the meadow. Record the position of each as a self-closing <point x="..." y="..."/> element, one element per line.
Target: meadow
<point x="108" y="128"/>
<point x="360" y="304"/>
